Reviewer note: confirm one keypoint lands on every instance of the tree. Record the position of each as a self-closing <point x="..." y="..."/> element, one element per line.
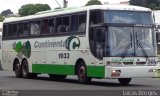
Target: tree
<point x="30" y="9"/>
<point x="6" y="12"/>
<point x="1" y="19"/>
<point x="153" y="4"/>
<point x="139" y="2"/>
<point x="93" y="2"/>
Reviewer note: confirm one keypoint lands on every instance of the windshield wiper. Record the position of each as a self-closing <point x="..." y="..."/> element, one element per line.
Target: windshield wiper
<point x="126" y="49"/>
<point x="138" y="42"/>
<point x="128" y="46"/>
<point x="142" y="48"/>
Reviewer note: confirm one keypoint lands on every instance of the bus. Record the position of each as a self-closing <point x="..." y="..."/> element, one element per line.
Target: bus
<point x="157" y="22"/>
<point x="98" y="41"/>
<point x="0" y="44"/>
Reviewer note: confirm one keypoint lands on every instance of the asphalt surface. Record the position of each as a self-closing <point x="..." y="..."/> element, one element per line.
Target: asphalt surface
<point x="98" y="87"/>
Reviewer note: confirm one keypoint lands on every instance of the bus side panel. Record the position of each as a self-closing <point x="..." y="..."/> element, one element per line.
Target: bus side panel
<point x="52" y="56"/>
<point x="8" y="54"/>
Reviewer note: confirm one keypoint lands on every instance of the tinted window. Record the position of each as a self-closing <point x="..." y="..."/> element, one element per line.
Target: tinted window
<point x="51" y="27"/>
<point x="62" y="24"/>
<point x="74" y="23"/>
<point x="12" y="30"/>
<point x="78" y="23"/>
<point x="26" y="29"/>
<point x="23" y="29"/>
<point x="5" y="30"/>
<point x="59" y="24"/>
<point x="128" y="17"/>
<point x="45" y="26"/>
<point x="82" y="23"/>
<point x="35" y="28"/>
<point x="95" y="17"/>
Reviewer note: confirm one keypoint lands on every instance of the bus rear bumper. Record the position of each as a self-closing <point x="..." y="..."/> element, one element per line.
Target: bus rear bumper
<point x="132" y="72"/>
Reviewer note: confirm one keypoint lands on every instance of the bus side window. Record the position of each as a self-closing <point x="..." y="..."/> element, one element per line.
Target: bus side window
<point x="74" y="23"/>
<point x="82" y="27"/>
<point x="62" y="24"/>
<point x="20" y="29"/>
<point x="61" y="28"/>
<point x="35" y="28"/>
<point x="9" y="30"/>
<point x="82" y="23"/>
<point x="23" y="29"/>
<point x="95" y="17"/>
<point x="45" y="26"/>
<point x="66" y="24"/>
<point x="78" y="23"/>
<point x="58" y="24"/>
<point x="12" y="30"/>
<point x="97" y="42"/>
<point x="26" y="29"/>
<point x="51" y="27"/>
<point x="5" y="30"/>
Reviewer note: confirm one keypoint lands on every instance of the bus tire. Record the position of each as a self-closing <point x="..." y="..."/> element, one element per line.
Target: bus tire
<point x="57" y="77"/>
<point x="18" y="69"/>
<point x="124" y="81"/>
<point x="25" y="70"/>
<point x="82" y="73"/>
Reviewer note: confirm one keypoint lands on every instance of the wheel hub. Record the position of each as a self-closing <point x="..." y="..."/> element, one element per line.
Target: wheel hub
<point x="82" y="72"/>
<point x="17" y="67"/>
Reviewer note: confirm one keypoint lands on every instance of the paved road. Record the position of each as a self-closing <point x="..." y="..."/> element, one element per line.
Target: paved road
<point x="10" y="82"/>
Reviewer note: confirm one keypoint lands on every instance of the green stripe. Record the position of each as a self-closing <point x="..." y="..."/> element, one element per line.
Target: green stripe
<point x="96" y="71"/>
<point x="53" y="69"/>
<point x="92" y="71"/>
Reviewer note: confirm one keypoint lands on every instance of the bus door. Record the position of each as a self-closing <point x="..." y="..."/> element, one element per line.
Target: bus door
<point x="98" y="42"/>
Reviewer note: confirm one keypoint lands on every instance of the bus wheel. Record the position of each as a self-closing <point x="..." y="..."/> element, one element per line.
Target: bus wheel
<point x="57" y="77"/>
<point x="25" y="70"/>
<point x="17" y="69"/>
<point x="82" y="73"/>
<point x="124" y="81"/>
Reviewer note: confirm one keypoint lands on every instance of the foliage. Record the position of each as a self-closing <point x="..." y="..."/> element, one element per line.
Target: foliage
<point x="1" y="19"/>
<point x="153" y="4"/>
<point x="6" y="12"/>
<point x="30" y="9"/>
<point x="93" y="2"/>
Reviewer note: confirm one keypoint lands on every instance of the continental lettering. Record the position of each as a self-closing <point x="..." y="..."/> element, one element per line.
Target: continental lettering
<point x="49" y="44"/>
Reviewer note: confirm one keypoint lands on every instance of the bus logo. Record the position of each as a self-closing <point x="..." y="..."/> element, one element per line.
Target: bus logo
<point x="72" y="43"/>
<point x="22" y="49"/>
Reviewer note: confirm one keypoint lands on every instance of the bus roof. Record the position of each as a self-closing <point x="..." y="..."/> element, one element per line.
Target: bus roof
<point x="75" y="10"/>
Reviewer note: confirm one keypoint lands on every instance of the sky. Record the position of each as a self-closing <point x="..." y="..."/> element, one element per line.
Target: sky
<point x="14" y="5"/>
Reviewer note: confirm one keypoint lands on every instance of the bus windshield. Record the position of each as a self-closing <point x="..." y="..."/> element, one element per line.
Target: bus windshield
<point x="130" y="40"/>
<point x="134" y="17"/>
<point x="127" y="34"/>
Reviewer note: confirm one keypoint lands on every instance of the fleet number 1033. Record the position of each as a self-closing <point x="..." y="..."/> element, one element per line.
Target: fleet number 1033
<point x="64" y="55"/>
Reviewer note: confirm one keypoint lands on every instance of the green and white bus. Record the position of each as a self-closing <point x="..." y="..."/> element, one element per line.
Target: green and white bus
<point x="99" y="41"/>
